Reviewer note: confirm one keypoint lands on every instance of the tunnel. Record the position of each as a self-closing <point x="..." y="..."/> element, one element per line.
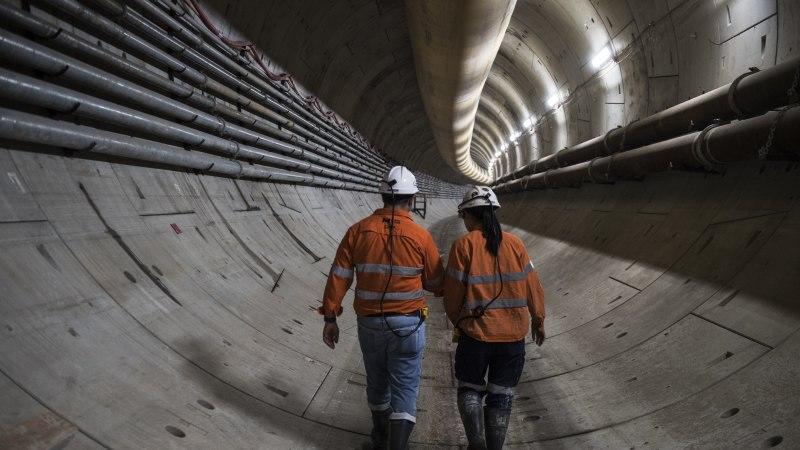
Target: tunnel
<point x="176" y="176"/>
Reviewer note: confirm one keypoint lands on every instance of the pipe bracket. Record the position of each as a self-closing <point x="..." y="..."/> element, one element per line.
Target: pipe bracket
<point x="605" y="141"/>
<point x="700" y="150"/>
<point x="604" y="180"/>
<point x="732" y="104"/>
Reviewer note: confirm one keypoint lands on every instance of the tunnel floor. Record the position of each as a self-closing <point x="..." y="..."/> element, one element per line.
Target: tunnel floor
<point x="145" y="308"/>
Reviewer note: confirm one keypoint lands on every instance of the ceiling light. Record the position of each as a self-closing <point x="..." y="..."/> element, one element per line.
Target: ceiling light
<point x="552" y="101"/>
<point x="602" y="58"/>
<point x="529" y="122"/>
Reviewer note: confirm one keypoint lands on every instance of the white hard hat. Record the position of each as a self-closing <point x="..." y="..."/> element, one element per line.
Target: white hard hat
<point x="479" y="196"/>
<point x="399" y="181"/>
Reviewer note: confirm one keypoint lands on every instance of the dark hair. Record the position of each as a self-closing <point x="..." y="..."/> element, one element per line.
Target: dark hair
<point x="398" y="198"/>
<point x="490" y="226"/>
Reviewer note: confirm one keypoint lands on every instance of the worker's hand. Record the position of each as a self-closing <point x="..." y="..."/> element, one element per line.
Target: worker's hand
<point x="330" y="334"/>
<point x="537" y="330"/>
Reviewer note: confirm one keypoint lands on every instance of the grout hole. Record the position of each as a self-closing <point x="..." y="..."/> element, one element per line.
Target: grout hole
<point x="175" y="431"/>
<point x="533" y="418"/>
<point x="730" y="413"/>
<point x="205" y="404"/>
<point x="763" y="43"/>
<point x="622" y="334"/>
<point x="608" y="325"/>
<point x="774" y="441"/>
<point x="129" y="276"/>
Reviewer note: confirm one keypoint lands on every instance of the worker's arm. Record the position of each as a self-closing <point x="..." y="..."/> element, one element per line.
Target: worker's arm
<point x="535" y="294"/>
<point x="454" y="281"/>
<point x="432" y="270"/>
<point x="340" y="277"/>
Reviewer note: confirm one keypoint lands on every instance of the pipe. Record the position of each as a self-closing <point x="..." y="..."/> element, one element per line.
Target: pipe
<point x="157" y="14"/>
<point x="454" y="45"/>
<point x="20" y="126"/>
<point x="772" y="135"/>
<point x="751" y="93"/>
<point x="27" y="90"/>
<point x="125" y="39"/>
<point x="67" y="42"/>
<point x="16" y="50"/>
<point x="221" y="67"/>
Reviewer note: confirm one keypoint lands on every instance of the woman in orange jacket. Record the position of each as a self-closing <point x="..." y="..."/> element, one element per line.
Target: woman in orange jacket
<point x="492" y="295"/>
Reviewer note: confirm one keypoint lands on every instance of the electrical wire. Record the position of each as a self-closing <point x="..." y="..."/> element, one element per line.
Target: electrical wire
<point x="481" y="310"/>
<point x="389" y="248"/>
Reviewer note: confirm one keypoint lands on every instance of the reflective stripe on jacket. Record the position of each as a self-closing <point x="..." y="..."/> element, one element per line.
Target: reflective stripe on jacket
<point x="472" y="281"/>
<point x="363" y="253"/>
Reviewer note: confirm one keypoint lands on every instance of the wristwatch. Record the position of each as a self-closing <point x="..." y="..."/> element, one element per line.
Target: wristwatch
<point x="330" y="319"/>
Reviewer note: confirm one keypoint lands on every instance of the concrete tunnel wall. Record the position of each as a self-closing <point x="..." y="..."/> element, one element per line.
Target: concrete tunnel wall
<point x="672" y="303"/>
<point x="672" y="312"/>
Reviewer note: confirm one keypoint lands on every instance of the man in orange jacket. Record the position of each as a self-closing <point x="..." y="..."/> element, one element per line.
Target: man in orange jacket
<point x="395" y="259"/>
<point x="492" y="292"/>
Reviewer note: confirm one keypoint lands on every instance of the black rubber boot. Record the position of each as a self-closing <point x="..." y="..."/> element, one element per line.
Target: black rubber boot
<point x="380" y="429"/>
<point x="399" y="432"/>
<point x="496" y="425"/>
<point x="470" y="405"/>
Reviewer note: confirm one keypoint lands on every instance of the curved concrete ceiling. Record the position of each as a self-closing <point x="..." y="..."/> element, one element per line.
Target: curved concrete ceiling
<point x="357" y="57"/>
<point x="143" y="307"/>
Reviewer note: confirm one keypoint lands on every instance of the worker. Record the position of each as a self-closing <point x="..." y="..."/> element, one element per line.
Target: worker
<point x="490" y="290"/>
<point x="394" y="260"/>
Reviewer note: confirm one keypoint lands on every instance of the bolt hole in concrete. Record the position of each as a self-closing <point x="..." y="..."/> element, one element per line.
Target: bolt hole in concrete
<point x="205" y="404"/>
<point x="533" y="418"/>
<point x="175" y="431"/>
<point x="622" y="334"/>
<point x="730" y="413"/>
<point x="608" y="325"/>
<point x="523" y="398"/>
<point x="774" y="441"/>
<point x="129" y="276"/>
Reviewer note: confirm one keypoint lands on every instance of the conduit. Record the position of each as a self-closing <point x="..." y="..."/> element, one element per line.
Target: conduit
<point x="24" y="127"/>
<point x="69" y="43"/>
<point x="30" y="91"/>
<point x="191" y="66"/>
<point x="454" y="45"/>
<point x="774" y="135"/>
<point x="749" y="94"/>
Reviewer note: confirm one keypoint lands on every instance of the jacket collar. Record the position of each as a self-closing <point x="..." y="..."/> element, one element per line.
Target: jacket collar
<point x="397" y="213"/>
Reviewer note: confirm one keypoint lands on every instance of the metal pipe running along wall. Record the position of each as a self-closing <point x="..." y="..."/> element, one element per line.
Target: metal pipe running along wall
<point x="772" y="135"/>
<point x="25" y="127"/>
<point x="72" y="90"/>
<point x="15" y="50"/>
<point x="750" y="94"/>
<point x="64" y="41"/>
<point x="133" y="33"/>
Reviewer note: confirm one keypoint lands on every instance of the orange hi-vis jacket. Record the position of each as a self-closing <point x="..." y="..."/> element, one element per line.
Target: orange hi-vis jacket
<point x="416" y="265"/>
<point x="472" y="281"/>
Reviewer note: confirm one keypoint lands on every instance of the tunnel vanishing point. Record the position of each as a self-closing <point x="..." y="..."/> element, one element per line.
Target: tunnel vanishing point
<point x="175" y="176"/>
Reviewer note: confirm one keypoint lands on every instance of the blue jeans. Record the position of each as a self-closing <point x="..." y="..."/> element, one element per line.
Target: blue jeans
<point x="504" y="362"/>
<point x="393" y="364"/>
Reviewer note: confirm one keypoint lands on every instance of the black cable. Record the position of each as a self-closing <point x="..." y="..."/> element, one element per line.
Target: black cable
<point x="389" y="248"/>
<point x="481" y="310"/>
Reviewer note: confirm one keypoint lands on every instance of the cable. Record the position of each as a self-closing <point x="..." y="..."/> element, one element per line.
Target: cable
<point x="481" y="310"/>
<point x="389" y="248"/>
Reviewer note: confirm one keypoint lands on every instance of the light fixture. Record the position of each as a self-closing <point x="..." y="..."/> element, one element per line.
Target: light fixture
<point x="529" y="122"/>
<point x="553" y="100"/>
<point x="602" y="58"/>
